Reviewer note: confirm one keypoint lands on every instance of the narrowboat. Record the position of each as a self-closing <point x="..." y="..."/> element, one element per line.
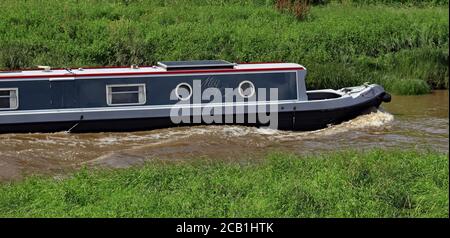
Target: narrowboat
<point x="174" y="93"/>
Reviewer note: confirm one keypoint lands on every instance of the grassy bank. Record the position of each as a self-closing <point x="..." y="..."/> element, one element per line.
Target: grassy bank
<point x="403" y="48"/>
<point x="345" y="184"/>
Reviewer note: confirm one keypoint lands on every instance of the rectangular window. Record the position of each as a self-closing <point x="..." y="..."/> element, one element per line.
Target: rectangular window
<point x="125" y="94"/>
<point x="9" y="98"/>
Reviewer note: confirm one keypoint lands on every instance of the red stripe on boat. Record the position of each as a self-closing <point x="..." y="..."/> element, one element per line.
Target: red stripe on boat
<point x="149" y="73"/>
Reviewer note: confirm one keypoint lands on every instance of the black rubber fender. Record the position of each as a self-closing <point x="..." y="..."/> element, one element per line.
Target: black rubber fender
<point x="386" y="97"/>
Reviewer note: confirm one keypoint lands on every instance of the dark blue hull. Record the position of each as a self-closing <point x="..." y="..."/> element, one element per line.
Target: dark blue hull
<point x="293" y="120"/>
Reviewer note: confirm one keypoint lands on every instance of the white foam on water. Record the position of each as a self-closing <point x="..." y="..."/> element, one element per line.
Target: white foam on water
<point x="234" y="131"/>
<point x="374" y="119"/>
<point x="267" y="131"/>
<point x="108" y="140"/>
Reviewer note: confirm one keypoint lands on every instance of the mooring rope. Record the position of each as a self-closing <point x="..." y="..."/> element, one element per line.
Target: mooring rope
<point x="76" y="124"/>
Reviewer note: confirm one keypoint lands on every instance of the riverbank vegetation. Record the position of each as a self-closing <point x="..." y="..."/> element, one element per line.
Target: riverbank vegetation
<point x="345" y="184"/>
<point x="342" y="43"/>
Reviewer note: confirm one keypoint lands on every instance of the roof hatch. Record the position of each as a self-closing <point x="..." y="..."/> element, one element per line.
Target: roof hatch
<point x="196" y="64"/>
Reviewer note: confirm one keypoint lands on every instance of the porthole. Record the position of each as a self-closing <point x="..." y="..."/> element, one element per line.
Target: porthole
<point x="183" y="91"/>
<point x="246" y="89"/>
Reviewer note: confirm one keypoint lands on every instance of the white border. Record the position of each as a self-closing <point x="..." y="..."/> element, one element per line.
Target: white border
<point x="61" y="79"/>
<point x="150" y="75"/>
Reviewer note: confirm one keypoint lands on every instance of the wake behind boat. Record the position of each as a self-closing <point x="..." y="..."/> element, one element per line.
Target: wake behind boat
<point x="174" y="93"/>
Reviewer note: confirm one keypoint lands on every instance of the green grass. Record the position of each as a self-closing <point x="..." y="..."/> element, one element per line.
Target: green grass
<point x="341" y="44"/>
<point x="394" y="2"/>
<point x="345" y="184"/>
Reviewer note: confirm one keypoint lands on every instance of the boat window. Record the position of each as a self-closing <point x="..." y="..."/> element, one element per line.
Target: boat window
<point x="183" y="91"/>
<point x="126" y="94"/>
<point x="9" y="98"/>
<point x="246" y="89"/>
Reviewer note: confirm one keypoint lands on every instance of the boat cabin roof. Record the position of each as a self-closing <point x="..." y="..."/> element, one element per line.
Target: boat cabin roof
<point x="195" y="64"/>
<point x="164" y="67"/>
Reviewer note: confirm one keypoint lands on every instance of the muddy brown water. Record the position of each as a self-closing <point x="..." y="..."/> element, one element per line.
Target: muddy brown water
<point x="419" y="122"/>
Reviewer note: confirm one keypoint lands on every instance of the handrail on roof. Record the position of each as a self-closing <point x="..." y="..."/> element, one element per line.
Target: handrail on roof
<point x="45" y="68"/>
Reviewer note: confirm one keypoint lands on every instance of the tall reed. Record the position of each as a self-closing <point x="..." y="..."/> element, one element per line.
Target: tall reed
<point x="299" y="8"/>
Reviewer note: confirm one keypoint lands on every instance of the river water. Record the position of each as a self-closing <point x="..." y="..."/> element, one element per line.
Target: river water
<point x="419" y="122"/>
